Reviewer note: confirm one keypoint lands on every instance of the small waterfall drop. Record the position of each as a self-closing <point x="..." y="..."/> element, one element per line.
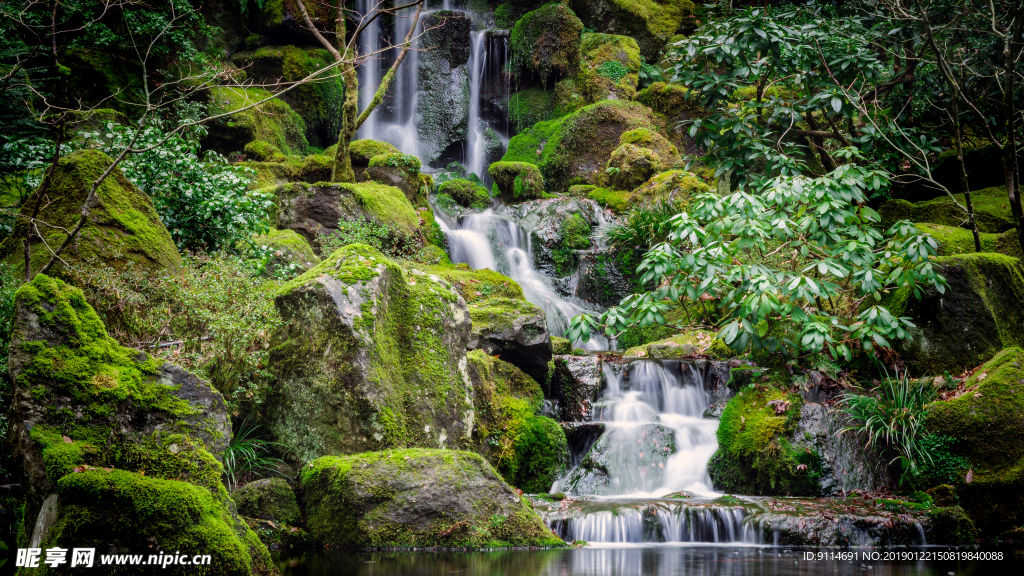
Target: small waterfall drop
<point x="369" y="71"/>
<point x="475" y="141"/>
<point x="489" y="240"/>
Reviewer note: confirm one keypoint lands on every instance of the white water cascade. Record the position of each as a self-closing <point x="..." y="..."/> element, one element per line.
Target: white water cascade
<point x="489" y="240"/>
<point x="475" y="141"/>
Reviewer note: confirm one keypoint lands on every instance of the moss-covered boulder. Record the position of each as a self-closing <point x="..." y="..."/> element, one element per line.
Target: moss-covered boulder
<point x="757" y="453"/>
<point x="123" y="227"/>
<point x="650" y="22"/>
<point x="361" y="152"/>
<point x="315" y="168"/>
<point x="116" y="449"/>
<point x="677" y="104"/>
<point x="417" y="497"/>
<point x="517" y="181"/>
<point x="442" y="105"/>
<point x="513" y="329"/>
<point x="677" y="187"/>
<point x="977" y="315"/>
<point x="399" y="170"/>
<point x="271" y="174"/>
<point x="575" y="149"/>
<point x="318" y="103"/>
<point x="268" y="499"/>
<point x="545" y="43"/>
<point x="991" y="208"/>
<point x="262" y="151"/>
<point x="610" y="67"/>
<point x="475" y="285"/>
<point x="631" y="165"/>
<point x="286" y="252"/>
<point x="953" y="240"/>
<point x="312" y="209"/>
<point x="559" y="228"/>
<point x="988" y="422"/>
<point x="951" y="526"/>
<point x="527" y="449"/>
<point x="465" y="193"/>
<point x="371" y="356"/>
<point x="272" y="121"/>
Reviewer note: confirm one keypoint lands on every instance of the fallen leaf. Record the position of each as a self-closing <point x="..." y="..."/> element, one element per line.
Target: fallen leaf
<point x="66" y="439"/>
<point x="970" y="476"/>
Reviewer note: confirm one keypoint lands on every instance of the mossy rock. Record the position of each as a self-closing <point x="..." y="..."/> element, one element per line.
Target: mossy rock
<point x="263" y="151"/>
<point x="417" y="497"/>
<point x="988" y="422"/>
<point x="476" y="285"/>
<point x="318" y="103"/>
<point x="650" y="22"/>
<point x="953" y="240"/>
<point x="560" y="345"/>
<point x="676" y="187"/>
<point x="756" y="453"/>
<point x="610" y="67"/>
<point x="631" y="165"/>
<point x="315" y="168"/>
<point x="978" y="315"/>
<point x="467" y="194"/>
<point x="991" y="208"/>
<point x="670" y="99"/>
<point x="618" y="201"/>
<point x="290" y="251"/>
<point x="528" y="450"/>
<point x="559" y="229"/>
<point x="546" y="43"/>
<point x="273" y="121"/>
<point x="513" y="329"/>
<point x="268" y="499"/>
<point x="361" y="151"/>
<point x="575" y="149"/>
<point x="507" y="174"/>
<point x="123" y="228"/>
<point x="83" y="405"/>
<point x="687" y="344"/>
<point x="529" y="106"/>
<point x="312" y="209"/>
<point x="352" y="376"/>
<point x="951" y="527"/>
<point x="399" y="170"/>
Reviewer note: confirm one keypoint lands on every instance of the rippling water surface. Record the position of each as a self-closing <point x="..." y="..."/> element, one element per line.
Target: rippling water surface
<point x="646" y="560"/>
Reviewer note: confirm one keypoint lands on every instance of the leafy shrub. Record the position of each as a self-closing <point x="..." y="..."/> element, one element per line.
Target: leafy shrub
<point x="613" y="70"/>
<point x="892" y="418"/>
<point x="216" y="319"/>
<point x="644" y="227"/>
<point x="942" y="466"/>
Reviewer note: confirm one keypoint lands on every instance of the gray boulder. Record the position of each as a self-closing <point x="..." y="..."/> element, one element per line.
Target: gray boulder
<point x="371" y="356"/>
<point x="515" y="330"/>
<point x="443" y="83"/>
<point x="574" y="384"/>
<point x="417" y="497"/>
<point x="546" y="218"/>
<point x="268" y="499"/>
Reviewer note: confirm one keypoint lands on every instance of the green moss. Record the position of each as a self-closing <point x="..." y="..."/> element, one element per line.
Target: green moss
<point x="349" y="264"/>
<point x="670" y="99"/>
<point x="465" y="193"/>
<point x="631" y="165"/>
<point x="517" y="180"/>
<point x="651" y="22"/>
<point x="677" y="187"/>
<point x="128" y="511"/>
<point x="262" y="151"/>
<point x="385" y="204"/>
<point x="755" y="454"/>
<point x="271" y="174"/>
<point x="273" y="121"/>
<point x="574" y="234"/>
<point x="396" y="160"/>
<point x="560" y="345"/>
<point x="952" y="527"/>
<point x="615" y="200"/>
<point x="361" y="151"/>
<point x="987" y="420"/>
<point x="270" y="499"/>
<point x="527" y="107"/>
<point x="991" y="207"/>
<point x="953" y="240"/>
<point x="288" y="250"/>
<point x="315" y="168"/>
<point x="567" y="149"/>
<point x="475" y="285"/>
<point x="611" y="65"/>
<point x="123" y="226"/>
<point x="546" y="42"/>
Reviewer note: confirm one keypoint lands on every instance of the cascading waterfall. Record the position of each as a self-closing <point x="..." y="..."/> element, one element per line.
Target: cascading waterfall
<point x="475" y="140"/>
<point x="488" y="240"/>
<point x="369" y="70"/>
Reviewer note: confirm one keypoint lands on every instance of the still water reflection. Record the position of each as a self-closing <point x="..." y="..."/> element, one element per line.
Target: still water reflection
<point x="647" y="560"/>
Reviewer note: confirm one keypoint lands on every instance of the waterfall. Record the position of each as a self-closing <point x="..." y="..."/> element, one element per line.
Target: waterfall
<point x="656" y="440"/>
<point x="661" y="522"/>
<point x="475" y="140"/>
<point x="489" y="240"/>
<point x="369" y="70"/>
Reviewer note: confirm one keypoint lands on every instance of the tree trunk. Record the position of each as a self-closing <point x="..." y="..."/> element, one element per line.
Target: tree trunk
<point x="965" y="187"/>
<point x="1011" y="49"/>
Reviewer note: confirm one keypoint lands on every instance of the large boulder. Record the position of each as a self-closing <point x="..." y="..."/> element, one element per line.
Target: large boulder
<point x="575" y="149"/>
<point x="558" y="228"/>
<point x="398" y="170"/>
<point x="513" y="329"/>
<point x="318" y="103"/>
<point x="545" y="43"/>
<point x="610" y="67"/>
<point x="417" y="497"/>
<point x="650" y="22"/>
<point x="978" y="315"/>
<point x="117" y="450"/>
<point x="312" y="209"/>
<point x="371" y="356"/>
<point x="285" y="253"/>
<point x="361" y="152"/>
<point x="529" y="450"/>
<point x="607" y="470"/>
<point x="987" y="420"/>
<point x="443" y="83"/>
<point x="123" y="227"/>
<point x="273" y="121"/>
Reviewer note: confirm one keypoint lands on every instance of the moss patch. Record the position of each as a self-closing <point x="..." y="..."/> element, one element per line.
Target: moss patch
<point x="517" y="181"/>
<point x="610" y="67"/>
<point x="546" y="42"/>
<point x="273" y="121"/>
<point x="651" y="22"/>
<point x="991" y="207"/>
<point x="465" y="193"/>
<point x="476" y="285"/>
<point x="953" y="240"/>
<point x="268" y="499"/>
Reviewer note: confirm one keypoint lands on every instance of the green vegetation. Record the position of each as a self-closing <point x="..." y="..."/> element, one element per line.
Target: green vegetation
<point x="546" y="42"/>
<point x="517" y="180"/>
<point x="247" y="457"/>
<point x="991" y="207"/>
<point x="465" y="193"/>
<point x="275" y="122"/>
